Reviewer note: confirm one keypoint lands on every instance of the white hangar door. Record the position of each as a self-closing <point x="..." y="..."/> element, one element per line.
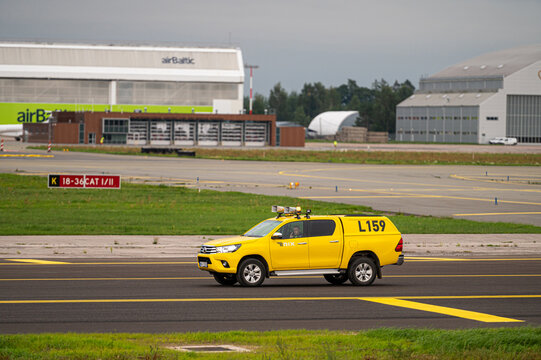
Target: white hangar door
<point x="184" y="133"/>
<point x="255" y="134"/>
<point x="208" y="133"/>
<point x="160" y="132"/>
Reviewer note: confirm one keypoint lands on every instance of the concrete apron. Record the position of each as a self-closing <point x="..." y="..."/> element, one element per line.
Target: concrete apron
<point x="119" y="246"/>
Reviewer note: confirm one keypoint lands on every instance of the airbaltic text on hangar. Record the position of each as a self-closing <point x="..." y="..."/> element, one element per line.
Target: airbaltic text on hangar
<point x="39" y="116"/>
<point x="176" y="60"/>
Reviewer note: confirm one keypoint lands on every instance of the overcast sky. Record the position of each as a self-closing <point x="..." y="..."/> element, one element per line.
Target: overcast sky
<point x="295" y="41"/>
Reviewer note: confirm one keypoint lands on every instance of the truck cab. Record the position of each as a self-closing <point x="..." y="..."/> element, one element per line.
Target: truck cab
<point x="339" y="247"/>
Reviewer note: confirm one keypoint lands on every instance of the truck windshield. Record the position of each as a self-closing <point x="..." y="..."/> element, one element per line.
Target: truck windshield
<point x="262" y="228"/>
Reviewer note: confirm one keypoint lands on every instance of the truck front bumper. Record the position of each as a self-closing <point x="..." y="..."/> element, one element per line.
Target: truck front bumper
<point x="219" y="264"/>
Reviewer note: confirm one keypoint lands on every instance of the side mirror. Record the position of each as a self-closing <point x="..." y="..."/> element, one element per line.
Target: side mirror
<point x="276" y="235"/>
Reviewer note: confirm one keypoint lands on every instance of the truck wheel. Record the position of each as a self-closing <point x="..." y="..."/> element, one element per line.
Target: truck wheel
<point x="362" y="271"/>
<point x="251" y="272"/>
<point x="225" y="279"/>
<point x="336" y="279"/>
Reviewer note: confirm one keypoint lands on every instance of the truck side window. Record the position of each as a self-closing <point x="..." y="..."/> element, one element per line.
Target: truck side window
<point x="293" y="230"/>
<point x="322" y="227"/>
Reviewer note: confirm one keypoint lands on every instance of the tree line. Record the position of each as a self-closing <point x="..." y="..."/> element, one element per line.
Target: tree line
<point x="376" y="105"/>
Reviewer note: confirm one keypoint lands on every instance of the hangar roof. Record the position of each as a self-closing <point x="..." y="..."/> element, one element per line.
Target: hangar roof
<point x="119" y="62"/>
<point x="494" y="64"/>
<point x="446" y="99"/>
<point x="329" y="122"/>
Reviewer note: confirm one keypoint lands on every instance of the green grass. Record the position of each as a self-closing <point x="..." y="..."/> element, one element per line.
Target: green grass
<point x="28" y="207"/>
<point x="351" y="156"/>
<point x="504" y="343"/>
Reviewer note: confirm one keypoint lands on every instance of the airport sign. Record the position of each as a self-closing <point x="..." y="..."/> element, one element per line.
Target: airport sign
<point x="84" y="181"/>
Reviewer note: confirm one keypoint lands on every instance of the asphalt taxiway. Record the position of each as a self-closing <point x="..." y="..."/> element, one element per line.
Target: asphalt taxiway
<point x="163" y="295"/>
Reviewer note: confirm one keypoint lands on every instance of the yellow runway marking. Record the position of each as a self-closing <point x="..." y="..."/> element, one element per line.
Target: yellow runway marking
<point x="285" y="173"/>
<point x="458" y="297"/>
<point x="419" y="259"/>
<point x="360" y="196"/>
<point x="114" y="279"/>
<point x="506" y="213"/>
<point x="462" y="275"/>
<point x="282" y="277"/>
<point x="26" y="155"/>
<point x="297" y="298"/>
<point x="465" y="314"/>
<point x="425" y="186"/>
<point x="39" y="262"/>
<point x="392" y="301"/>
<point x="137" y="263"/>
<point x="45" y="262"/>
<point x="399" y="194"/>
<point x="514" y="179"/>
<point x="83" y="301"/>
<point x="420" y="196"/>
<point x="407" y="258"/>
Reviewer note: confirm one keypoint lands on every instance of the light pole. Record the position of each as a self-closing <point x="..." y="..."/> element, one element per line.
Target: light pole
<point x="251" y="67"/>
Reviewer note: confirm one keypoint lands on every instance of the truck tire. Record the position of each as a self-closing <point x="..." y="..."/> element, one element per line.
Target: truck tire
<point x="336" y="279"/>
<point x="225" y="279"/>
<point x="362" y="271"/>
<point x="251" y="272"/>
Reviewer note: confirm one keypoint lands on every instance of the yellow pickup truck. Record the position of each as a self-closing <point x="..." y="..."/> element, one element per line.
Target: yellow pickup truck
<point x="339" y="247"/>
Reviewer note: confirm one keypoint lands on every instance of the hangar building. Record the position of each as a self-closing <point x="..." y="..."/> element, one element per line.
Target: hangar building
<point x="37" y="79"/>
<point x="330" y="122"/>
<point x="496" y="94"/>
<point x="70" y="127"/>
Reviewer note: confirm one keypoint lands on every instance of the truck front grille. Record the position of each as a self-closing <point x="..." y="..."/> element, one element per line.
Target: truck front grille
<point x="205" y="249"/>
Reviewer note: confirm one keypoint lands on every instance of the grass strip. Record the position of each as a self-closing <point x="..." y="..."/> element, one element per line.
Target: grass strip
<point x="500" y="343"/>
<point x="28" y="207"/>
<point x="350" y="156"/>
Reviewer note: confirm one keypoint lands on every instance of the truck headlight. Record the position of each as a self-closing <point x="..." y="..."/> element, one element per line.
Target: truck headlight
<point x="227" y="248"/>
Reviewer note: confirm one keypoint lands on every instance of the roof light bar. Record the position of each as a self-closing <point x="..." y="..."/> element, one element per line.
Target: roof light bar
<point x="278" y="209"/>
<point x="286" y="209"/>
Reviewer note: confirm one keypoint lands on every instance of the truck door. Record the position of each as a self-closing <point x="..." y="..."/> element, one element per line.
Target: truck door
<point x="325" y="243"/>
<point x="291" y="251"/>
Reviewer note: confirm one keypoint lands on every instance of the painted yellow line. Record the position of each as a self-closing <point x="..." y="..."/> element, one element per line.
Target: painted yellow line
<point x="394" y="183"/>
<point x="44" y="262"/>
<point x="38" y="262"/>
<point x="422" y="259"/>
<point x="114" y="279"/>
<point x="137" y="263"/>
<point x="479" y="199"/>
<point x="499" y="174"/>
<point x="82" y="301"/>
<point x="421" y="196"/>
<point x="282" y="277"/>
<point x="465" y="314"/>
<point x="26" y="155"/>
<point x="462" y="275"/>
<point x="361" y="197"/>
<point x="457" y="297"/>
<point x="505" y="213"/>
<point x="409" y="259"/>
<point x="515" y="179"/>
<point x="298" y="298"/>
<point x="392" y="301"/>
